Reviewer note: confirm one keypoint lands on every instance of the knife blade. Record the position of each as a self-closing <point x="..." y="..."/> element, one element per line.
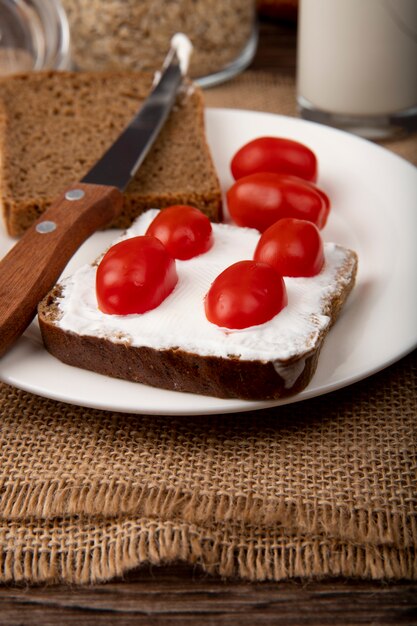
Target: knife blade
<point x="36" y="261"/>
<point x="121" y="161"/>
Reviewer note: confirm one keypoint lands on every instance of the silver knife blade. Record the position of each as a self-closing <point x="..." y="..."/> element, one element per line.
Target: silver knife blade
<point x="119" y="164"/>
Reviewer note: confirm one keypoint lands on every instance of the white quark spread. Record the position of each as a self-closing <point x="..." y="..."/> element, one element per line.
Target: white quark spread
<point x="183" y="48"/>
<point x="180" y="321"/>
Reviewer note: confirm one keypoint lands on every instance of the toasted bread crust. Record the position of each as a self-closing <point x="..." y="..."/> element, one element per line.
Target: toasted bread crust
<point x="178" y="370"/>
<point x="174" y="369"/>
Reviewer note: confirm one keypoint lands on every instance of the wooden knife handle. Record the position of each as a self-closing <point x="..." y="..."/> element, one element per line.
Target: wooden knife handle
<point x="34" y="264"/>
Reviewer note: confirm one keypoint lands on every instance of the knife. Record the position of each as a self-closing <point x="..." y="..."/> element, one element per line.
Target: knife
<point x="34" y="264"/>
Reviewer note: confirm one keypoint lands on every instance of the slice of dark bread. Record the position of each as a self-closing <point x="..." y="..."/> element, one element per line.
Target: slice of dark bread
<point x="55" y="125"/>
<point x="175" y="347"/>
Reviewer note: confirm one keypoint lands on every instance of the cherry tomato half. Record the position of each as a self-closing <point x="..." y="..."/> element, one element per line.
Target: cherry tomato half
<point x="245" y="294"/>
<point x="135" y="276"/>
<point x="292" y="247"/>
<point x="261" y="199"/>
<point x="275" y="154"/>
<point x="184" y="230"/>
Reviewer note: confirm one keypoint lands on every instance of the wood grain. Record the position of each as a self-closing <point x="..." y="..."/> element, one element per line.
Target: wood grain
<point x="35" y="263"/>
<point x="184" y="595"/>
<point x="276" y="49"/>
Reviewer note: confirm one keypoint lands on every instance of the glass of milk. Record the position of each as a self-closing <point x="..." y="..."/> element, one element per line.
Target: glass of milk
<point x="357" y="65"/>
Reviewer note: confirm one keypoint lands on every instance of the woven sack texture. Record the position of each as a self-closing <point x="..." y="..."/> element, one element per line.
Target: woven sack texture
<point x="323" y="487"/>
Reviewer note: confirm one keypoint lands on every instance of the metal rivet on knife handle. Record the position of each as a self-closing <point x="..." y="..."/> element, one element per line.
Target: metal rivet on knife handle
<point x="74" y="194"/>
<point x="45" y="227"/>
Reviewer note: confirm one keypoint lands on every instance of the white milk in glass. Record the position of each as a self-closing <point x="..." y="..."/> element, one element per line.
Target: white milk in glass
<point x="357" y="63"/>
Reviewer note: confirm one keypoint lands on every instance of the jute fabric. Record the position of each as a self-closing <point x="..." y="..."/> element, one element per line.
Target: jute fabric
<point x="325" y="487"/>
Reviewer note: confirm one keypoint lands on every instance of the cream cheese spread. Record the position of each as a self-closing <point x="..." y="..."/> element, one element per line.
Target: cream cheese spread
<point x="183" y="48"/>
<point x="180" y="321"/>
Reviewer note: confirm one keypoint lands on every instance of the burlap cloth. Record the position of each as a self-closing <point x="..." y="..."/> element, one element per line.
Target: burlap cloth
<point x="325" y="487"/>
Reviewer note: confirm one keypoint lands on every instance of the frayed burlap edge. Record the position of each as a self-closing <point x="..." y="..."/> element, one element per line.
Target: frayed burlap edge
<point x="114" y="549"/>
<point x="62" y="499"/>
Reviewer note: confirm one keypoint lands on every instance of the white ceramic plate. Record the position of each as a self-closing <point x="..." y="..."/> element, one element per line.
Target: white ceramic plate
<point x="374" y="211"/>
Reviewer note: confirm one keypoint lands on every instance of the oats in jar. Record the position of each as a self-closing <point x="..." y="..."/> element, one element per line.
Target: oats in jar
<point x="134" y="34"/>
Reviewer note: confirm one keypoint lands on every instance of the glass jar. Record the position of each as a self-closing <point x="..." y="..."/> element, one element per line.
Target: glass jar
<point x="135" y="34"/>
<point x="34" y="35"/>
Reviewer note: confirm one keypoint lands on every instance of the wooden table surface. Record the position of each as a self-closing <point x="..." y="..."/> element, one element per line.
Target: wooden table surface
<point x="179" y="594"/>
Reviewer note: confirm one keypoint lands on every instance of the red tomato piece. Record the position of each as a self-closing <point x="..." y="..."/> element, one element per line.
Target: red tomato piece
<point x="135" y="276"/>
<point x="184" y="230"/>
<point x="275" y="154"/>
<point x="292" y="247"/>
<point x="261" y="199"/>
<point x="245" y="294"/>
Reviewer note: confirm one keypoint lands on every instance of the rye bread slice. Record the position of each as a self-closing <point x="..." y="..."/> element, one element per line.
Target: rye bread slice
<point x="55" y="125"/>
<point x="193" y="365"/>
